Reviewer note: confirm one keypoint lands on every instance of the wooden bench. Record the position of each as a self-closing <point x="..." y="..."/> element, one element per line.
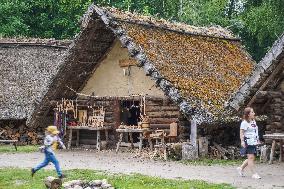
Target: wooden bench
<point x="10" y="141"/>
<point x="275" y="137"/>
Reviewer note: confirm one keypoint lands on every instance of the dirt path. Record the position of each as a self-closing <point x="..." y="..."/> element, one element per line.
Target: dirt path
<point x="272" y="175"/>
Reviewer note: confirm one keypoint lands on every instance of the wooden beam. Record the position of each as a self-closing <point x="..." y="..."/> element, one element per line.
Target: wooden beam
<point x="193" y="134"/>
<point x="127" y="62"/>
<point x="262" y="87"/>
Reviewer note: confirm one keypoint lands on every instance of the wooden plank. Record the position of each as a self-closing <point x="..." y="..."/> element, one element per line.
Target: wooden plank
<point x="89" y="128"/>
<point x="272" y="152"/>
<point x="127" y="62"/>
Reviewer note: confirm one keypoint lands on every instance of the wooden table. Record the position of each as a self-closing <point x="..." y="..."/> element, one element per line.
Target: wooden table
<point x="275" y="137"/>
<point x="130" y="132"/>
<point x="98" y="129"/>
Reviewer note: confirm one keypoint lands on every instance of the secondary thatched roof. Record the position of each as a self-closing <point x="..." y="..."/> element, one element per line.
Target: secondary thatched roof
<point x="267" y="75"/>
<point x="26" y="69"/>
<point x="198" y="68"/>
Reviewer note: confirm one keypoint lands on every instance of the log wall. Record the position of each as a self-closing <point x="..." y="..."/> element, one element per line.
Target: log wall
<point x="275" y="112"/>
<point x="164" y="111"/>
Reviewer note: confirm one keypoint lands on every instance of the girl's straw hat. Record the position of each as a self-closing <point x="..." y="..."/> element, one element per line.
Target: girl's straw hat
<point x="52" y="129"/>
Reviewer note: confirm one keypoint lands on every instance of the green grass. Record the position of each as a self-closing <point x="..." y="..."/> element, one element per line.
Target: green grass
<point x="8" y="148"/>
<point x="209" y="162"/>
<point x="11" y="178"/>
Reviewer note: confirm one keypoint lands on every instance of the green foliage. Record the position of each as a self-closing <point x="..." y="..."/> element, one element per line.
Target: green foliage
<point x="12" y="18"/>
<point x="21" y="179"/>
<point x="11" y="149"/>
<point x="263" y="24"/>
<point x="41" y="18"/>
<point x="257" y="22"/>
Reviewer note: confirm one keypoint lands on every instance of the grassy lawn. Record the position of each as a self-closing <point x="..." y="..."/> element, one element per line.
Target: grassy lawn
<point x="10" y="148"/>
<point x="11" y="178"/>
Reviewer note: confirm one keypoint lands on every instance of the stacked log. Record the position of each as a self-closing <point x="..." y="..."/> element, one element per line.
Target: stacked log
<point x="15" y="130"/>
<point x="220" y="152"/>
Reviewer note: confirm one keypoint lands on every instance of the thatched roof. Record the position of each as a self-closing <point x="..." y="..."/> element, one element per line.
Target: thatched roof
<point x="198" y="68"/>
<point x="267" y="75"/>
<point x="26" y="69"/>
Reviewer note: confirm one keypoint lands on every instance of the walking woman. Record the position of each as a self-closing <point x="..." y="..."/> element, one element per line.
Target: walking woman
<point x="249" y="140"/>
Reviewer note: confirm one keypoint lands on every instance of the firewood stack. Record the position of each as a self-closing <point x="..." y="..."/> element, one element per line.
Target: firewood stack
<point x="22" y="133"/>
<point x="219" y="152"/>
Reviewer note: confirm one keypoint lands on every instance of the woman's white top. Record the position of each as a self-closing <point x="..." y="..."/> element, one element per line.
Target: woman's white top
<point x="250" y="132"/>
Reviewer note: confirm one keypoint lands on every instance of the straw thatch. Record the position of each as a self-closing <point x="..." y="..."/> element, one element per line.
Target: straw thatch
<point x="26" y="69"/>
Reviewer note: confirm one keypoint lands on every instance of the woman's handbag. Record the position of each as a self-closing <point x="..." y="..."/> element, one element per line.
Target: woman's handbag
<point x="243" y="151"/>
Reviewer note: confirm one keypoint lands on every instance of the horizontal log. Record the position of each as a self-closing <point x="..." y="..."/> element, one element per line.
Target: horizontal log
<point x="162" y="120"/>
<point x="277" y="101"/>
<point x="274" y="94"/>
<point x="275" y="118"/>
<point x="109" y="119"/>
<point x="276" y="125"/>
<point x="161" y="114"/>
<point x="161" y="108"/>
<point x="159" y="126"/>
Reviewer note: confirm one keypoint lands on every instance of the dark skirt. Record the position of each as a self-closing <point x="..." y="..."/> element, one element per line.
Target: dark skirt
<point x="249" y="149"/>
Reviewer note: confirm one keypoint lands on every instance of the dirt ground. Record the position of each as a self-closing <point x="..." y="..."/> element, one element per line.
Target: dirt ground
<point x="272" y="175"/>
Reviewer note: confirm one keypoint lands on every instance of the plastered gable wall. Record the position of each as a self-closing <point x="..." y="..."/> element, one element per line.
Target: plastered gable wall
<point x="109" y="79"/>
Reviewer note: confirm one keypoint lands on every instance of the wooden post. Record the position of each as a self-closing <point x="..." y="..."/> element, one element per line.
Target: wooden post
<point x="78" y="138"/>
<point x="106" y="133"/>
<point x="190" y="150"/>
<point x="69" y="139"/>
<point x="193" y="134"/>
<point x="281" y="151"/>
<point x="131" y="140"/>
<point x="98" y="140"/>
<point x="119" y="141"/>
<point x="140" y="142"/>
<point x="272" y="151"/>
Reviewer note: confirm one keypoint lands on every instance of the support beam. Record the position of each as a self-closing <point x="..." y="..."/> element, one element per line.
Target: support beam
<point x="193" y="134"/>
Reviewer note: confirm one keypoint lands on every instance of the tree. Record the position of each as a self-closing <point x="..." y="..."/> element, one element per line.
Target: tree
<point x="12" y="18"/>
<point x="264" y="23"/>
<point x="257" y="22"/>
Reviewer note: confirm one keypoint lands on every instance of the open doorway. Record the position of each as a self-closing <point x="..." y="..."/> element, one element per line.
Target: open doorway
<point x="129" y="112"/>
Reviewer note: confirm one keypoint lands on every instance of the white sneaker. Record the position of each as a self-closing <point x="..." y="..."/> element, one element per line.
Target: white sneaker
<point x="240" y="172"/>
<point x="256" y="176"/>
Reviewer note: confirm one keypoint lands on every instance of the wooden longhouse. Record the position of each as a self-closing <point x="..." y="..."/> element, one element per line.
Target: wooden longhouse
<point x="184" y="72"/>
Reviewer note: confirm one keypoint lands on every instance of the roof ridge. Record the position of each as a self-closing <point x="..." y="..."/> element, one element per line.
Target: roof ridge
<point x="212" y="31"/>
<point x="35" y="42"/>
